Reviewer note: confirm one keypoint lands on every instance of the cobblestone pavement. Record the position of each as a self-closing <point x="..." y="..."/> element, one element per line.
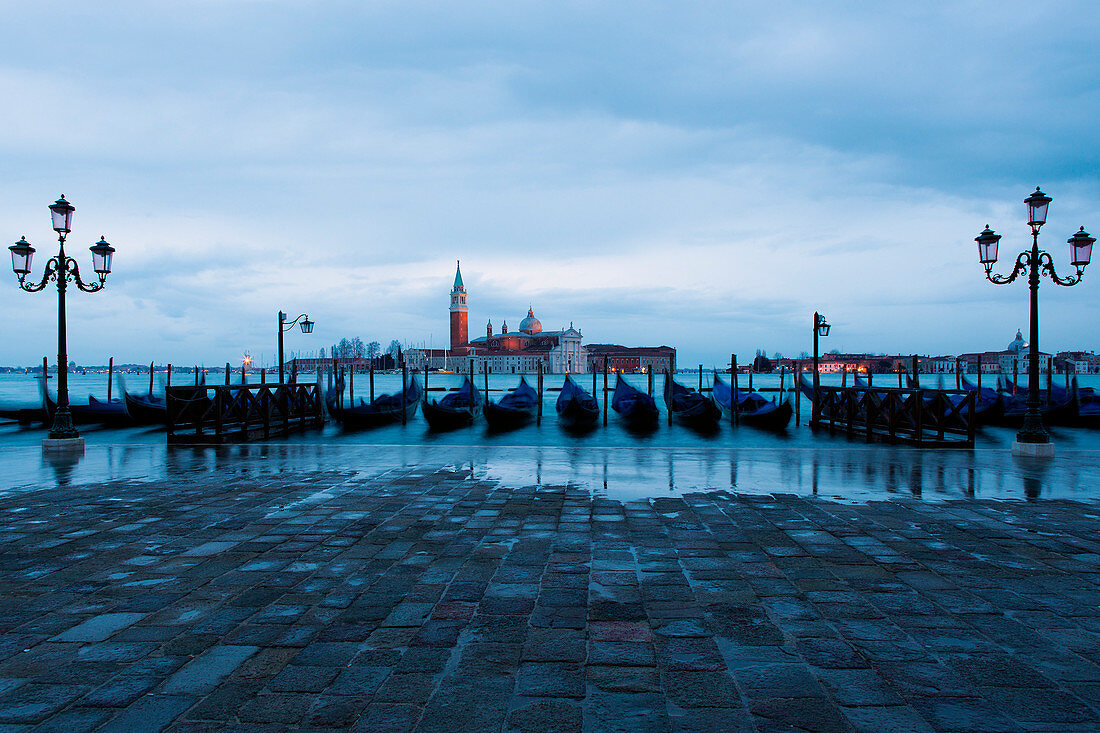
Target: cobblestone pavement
<point x="434" y="600"/>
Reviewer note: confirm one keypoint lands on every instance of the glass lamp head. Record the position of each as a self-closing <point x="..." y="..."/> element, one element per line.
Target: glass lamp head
<point x="62" y="213"/>
<point x="1081" y="248"/>
<point x="101" y="257"/>
<point x="987" y="246"/>
<point x="307" y="325"/>
<point x="21" y="254"/>
<point x="1037" y="204"/>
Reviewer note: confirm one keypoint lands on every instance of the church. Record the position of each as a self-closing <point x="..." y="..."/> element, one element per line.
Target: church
<point x="507" y="352"/>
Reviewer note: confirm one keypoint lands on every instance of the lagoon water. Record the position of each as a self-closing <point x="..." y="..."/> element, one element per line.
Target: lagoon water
<point x="609" y="460"/>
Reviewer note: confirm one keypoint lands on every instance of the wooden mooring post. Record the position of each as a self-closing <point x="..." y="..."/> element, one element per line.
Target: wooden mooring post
<point x="1015" y="375"/>
<point x="227" y="373"/>
<point x="668" y="396"/>
<point x="700" y="377"/>
<point x="538" y="410"/>
<point x="351" y="386"/>
<point x="1050" y="378"/>
<point x="168" y="379"/>
<point x="150" y="379"/>
<point x="649" y="380"/>
<point x="797" y="385"/>
<point x="916" y="371"/>
<point x="111" y="374"/>
<point x="372" y="380"/>
<point x="735" y="395"/>
<point x="605" y="391"/>
<point x="404" y="397"/>
<point x="485" y="370"/>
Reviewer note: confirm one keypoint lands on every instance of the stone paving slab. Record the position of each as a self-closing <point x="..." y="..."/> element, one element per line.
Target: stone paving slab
<point x="432" y="599"/>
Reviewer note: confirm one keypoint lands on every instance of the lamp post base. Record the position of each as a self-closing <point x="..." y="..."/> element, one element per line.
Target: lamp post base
<point x="63" y="445"/>
<point x="1033" y="450"/>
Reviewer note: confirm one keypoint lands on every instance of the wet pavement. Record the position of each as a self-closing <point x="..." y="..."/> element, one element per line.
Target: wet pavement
<point x="508" y="589"/>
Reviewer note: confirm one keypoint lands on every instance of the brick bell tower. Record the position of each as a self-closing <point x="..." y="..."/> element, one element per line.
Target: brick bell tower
<point x="459" y="334"/>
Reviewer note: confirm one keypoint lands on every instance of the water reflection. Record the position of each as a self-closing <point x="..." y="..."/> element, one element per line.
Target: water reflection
<point x="854" y="473"/>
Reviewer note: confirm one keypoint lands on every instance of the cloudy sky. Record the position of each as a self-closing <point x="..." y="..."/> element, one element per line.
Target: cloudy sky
<point x="703" y="175"/>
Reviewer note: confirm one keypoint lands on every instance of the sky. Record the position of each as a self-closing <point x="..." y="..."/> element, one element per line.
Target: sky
<point x="702" y="175"/>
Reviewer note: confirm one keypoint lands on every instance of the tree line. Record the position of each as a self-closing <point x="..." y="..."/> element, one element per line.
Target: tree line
<point x="354" y="348"/>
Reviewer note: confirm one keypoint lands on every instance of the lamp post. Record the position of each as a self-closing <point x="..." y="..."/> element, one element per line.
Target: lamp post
<point x="61" y="269"/>
<point x="284" y="326"/>
<point x="1033" y="439"/>
<point x="821" y="328"/>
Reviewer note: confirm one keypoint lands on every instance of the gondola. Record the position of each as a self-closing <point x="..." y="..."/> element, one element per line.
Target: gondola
<point x="513" y="410"/>
<point x="23" y="413"/>
<point x="384" y="409"/>
<point x="638" y="409"/>
<point x="146" y="409"/>
<point x="690" y="407"/>
<point x="989" y="404"/>
<point x="111" y="413"/>
<point x="455" y="410"/>
<point x="1060" y="409"/>
<point x="576" y="408"/>
<point x="752" y="408"/>
<point x="1088" y="406"/>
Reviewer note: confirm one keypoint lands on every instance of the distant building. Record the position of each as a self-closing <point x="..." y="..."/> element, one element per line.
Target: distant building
<point x="1077" y="362"/>
<point x="516" y="352"/>
<point x="632" y="359"/>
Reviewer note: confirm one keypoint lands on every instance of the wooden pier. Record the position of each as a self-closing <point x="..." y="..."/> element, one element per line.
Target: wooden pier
<point x="241" y="412"/>
<point x="926" y="418"/>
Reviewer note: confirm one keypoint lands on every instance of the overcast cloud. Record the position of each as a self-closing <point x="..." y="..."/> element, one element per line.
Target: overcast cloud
<point x="702" y="175"/>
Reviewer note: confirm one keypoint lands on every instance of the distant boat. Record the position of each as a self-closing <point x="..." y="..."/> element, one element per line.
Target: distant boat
<point x="513" y="410"/>
<point x="576" y="408"/>
<point x="752" y="407"/>
<point x="637" y="408"/>
<point x="690" y="407"/>
<point x="384" y="409"/>
<point x="455" y="410"/>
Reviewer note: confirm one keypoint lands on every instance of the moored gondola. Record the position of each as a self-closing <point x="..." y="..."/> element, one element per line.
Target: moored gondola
<point x="690" y="407"/>
<point x="455" y="410"/>
<point x="576" y="408"/>
<point x="1059" y="408"/>
<point x="111" y="413"/>
<point x="513" y="410"/>
<point x="384" y="409"/>
<point x="146" y="409"/>
<point x="752" y="408"/>
<point x="638" y="409"/>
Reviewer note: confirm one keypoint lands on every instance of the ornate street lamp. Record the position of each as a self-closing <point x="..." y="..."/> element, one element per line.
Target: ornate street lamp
<point x="302" y="321"/>
<point x="61" y="269"/>
<point x="821" y="328"/>
<point x="1033" y="439"/>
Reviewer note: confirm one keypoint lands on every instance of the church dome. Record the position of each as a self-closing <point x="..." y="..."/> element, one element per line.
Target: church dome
<point x="530" y="324"/>
<point x="1018" y="344"/>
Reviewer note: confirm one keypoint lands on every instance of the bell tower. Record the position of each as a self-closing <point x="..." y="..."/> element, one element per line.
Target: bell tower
<point x="459" y="334"/>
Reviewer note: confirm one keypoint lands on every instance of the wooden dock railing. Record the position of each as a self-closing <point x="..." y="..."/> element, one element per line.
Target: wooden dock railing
<point x="240" y="412"/>
<point x="927" y="418"/>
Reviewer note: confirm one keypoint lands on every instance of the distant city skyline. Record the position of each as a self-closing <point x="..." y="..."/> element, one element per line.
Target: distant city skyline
<point x="701" y="176"/>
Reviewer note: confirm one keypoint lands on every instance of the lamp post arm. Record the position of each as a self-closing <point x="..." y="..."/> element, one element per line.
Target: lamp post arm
<point x="1046" y="262"/>
<point x="73" y="268"/>
<point x="287" y="325"/>
<point x="49" y="274"/>
<point x="1023" y="261"/>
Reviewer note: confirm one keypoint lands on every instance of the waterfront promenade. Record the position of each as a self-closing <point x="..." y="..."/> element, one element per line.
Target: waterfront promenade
<point x="397" y="589"/>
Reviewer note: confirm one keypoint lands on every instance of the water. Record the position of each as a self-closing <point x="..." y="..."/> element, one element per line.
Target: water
<point x="609" y="460"/>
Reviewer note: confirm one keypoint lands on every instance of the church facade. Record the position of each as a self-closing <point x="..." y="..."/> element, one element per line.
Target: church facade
<point x="520" y="351"/>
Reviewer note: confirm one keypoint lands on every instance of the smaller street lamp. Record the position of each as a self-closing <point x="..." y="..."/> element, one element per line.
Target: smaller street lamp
<point x="821" y="328"/>
<point x="303" y="322"/>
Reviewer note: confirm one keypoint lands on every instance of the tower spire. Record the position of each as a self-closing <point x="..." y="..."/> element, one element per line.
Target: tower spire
<point x="458" y="276"/>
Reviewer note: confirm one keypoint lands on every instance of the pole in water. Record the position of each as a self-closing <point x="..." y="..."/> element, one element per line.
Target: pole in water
<point x="649" y="375"/>
<point x="797" y="377"/>
<point x="1015" y="375"/>
<point x="372" y="380"/>
<point x="538" y="413"/>
<point x="700" y="377"/>
<point x="485" y="369"/>
<point x="150" y="379"/>
<point x="111" y="375"/>
<point x="168" y="379"/>
<point x="404" y="397"/>
<point x="263" y="376"/>
<point x="1050" y="379"/>
<point x="605" y="391"/>
<point x="351" y="386"/>
<point x="227" y="373"/>
<point x="735" y="393"/>
<point x="668" y="395"/>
